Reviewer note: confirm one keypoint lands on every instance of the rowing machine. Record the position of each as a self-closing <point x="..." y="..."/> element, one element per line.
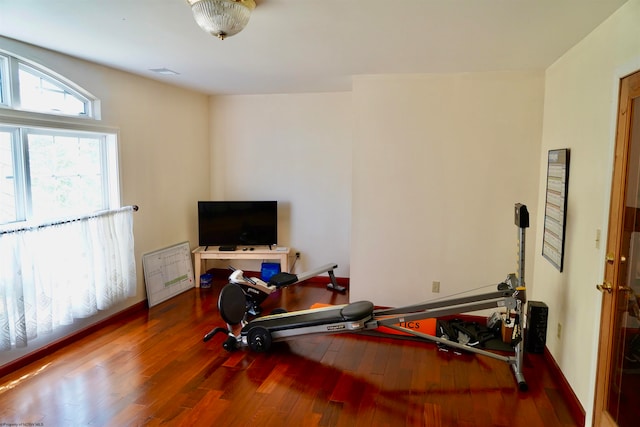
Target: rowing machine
<point x="257" y="290"/>
<point x="242" y="296"/>
<point x="360" y="316"/>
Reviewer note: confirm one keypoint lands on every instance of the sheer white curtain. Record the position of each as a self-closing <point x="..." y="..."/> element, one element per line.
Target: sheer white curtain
<point x="51" y="275"/>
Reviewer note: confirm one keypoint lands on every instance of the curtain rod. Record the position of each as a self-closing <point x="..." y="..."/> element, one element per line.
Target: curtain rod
<point x="80" y="218"/>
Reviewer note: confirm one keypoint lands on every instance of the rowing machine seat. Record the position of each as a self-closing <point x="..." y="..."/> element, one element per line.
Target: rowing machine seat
<point x="280" y="280"/>
<point x="357" y="310"/>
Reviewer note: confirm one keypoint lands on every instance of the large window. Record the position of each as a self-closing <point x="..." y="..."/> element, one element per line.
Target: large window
<point x="67" y="251"/>
<point x="56" y="160"/>
<point x="49" y="174"/>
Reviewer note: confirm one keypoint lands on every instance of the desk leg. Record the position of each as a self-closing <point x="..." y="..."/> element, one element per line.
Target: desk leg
<point x="284" y="263"/>
<point x="197" y="262"/>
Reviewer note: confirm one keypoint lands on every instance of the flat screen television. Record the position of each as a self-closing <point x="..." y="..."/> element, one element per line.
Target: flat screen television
<point x="234" y="223"/>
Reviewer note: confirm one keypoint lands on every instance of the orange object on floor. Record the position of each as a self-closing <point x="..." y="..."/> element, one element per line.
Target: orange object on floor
<point x="425" y="326"/>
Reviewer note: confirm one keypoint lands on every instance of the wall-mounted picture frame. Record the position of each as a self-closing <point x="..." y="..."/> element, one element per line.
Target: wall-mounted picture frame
<point x="555" y="209"/>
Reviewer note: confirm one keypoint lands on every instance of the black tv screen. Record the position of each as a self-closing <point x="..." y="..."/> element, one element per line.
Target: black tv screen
<point x="237" y="223"/>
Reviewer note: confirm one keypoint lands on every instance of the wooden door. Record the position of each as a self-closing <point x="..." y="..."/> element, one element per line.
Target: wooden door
<point x="617" y="399"/>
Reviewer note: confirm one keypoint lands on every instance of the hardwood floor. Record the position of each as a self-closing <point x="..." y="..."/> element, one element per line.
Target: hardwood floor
<point x="153" y="369"/>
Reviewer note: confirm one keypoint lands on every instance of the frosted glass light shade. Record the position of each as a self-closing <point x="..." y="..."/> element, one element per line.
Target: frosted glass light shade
<point x="222" y="18"/>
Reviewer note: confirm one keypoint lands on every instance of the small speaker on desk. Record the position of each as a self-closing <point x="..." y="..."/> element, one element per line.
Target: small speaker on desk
<point x="536" y="335"/>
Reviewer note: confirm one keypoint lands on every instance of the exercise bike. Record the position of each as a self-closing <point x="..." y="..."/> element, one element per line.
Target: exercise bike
<point x="258" y="334"/>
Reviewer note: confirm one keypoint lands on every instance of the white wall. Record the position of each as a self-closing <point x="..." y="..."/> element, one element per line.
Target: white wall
<point x="295" y="149"/>
<point x="163" y="148"/>
<point x="580" y="114"/>
<point x="438" y="163"/>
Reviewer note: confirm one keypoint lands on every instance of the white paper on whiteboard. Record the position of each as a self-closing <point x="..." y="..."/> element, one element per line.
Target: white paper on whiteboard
<point x="167" y="272"/>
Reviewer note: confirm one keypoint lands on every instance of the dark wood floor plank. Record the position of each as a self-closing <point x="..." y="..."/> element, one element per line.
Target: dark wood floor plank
<point x="153" y="369"/>
<point x="432" y="415"/>
<point x="210" y="411"/>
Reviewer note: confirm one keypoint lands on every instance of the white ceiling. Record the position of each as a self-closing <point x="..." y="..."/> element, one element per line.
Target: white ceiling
<point x="294" y="46"/>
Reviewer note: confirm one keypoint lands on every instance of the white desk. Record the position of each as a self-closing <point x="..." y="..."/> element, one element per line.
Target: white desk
<point x="259" y="252"/>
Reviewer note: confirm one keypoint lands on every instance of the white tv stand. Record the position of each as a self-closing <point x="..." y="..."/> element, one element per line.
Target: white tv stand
<point x="202" y="254"/>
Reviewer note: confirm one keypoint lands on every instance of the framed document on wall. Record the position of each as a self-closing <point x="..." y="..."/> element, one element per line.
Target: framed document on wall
<point x="555" y="209"/>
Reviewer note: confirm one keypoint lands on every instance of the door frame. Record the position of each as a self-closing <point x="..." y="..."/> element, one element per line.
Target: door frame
<point x="626" y="86"/>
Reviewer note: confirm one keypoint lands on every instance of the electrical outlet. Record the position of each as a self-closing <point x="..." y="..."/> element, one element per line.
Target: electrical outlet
<point x="559" y="330"/>
<point x="435" y="287"/>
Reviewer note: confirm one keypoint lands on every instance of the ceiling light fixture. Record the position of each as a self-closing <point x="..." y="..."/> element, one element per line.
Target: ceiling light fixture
<point x="222" y="18"/>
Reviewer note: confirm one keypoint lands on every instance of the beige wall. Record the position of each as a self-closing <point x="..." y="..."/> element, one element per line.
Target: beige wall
<point x="438" y="163"/>
<point x="580" y="114"/>
<point x="295" y="149"/>
<point x="417" y="157"/>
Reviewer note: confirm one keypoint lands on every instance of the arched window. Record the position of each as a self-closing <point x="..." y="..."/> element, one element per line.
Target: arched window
<point x="40" y="92"/>
<point x="56" y="159"/>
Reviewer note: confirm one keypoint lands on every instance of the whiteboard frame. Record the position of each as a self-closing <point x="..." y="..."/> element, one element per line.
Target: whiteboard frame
<point x="152" y="287"/>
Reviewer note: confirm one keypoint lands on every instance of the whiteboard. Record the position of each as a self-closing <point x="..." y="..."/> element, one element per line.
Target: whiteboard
<point x="167" y="272"/>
